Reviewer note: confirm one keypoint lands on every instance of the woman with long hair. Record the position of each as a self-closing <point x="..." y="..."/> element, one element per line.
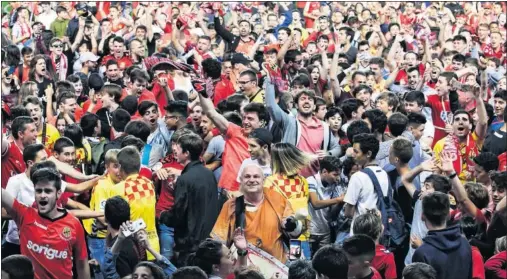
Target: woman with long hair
<point x="28" y="88"/>
<point x="83" y="148"/>
<point x="12" y="56"/>
<point x="286" y="162"/>
<point x="38" y="73"/>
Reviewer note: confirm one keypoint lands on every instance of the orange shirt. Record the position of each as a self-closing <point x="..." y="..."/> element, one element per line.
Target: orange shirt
<point x="263" y="223"/>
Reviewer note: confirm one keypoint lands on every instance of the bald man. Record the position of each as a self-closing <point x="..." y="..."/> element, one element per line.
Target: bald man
<point x="268" y="216"/>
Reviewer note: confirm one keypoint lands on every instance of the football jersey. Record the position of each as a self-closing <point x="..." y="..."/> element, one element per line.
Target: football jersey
<point x="100" y="194"/>
<point x="51" y="245"/>
<point x="12" y="163"/>
<point x="140" y="194"/>
<point x="441" y="115"/>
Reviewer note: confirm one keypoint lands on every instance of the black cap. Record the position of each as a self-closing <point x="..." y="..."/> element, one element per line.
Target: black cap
<point x="263" y="135"/>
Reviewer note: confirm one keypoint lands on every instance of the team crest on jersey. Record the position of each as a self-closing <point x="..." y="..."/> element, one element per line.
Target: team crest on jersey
<point x="66" y="233"/>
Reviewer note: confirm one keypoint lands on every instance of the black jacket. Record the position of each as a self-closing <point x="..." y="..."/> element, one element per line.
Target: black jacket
<point x="195" y="207"/>
<point x="448" y="252"/>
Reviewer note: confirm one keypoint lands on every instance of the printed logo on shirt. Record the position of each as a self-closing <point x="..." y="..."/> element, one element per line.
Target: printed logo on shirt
<point x="66" y="233"/>
<point x="50" y="253"/>
<point x="41" y="226"/>
<point x="446" y="116"/>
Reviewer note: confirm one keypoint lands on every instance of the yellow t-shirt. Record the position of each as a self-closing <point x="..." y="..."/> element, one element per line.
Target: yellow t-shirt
<point x="295" y="190"/>
<point x="139" y="192"/>
<point x="52" y="135"/>
<point x="258" y="97"/>
<point x="100" y="193"/>
<point x="464" y="175"/>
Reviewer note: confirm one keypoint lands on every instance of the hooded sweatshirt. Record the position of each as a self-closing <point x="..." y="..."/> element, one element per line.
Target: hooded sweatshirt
<point x="447" y="252"/>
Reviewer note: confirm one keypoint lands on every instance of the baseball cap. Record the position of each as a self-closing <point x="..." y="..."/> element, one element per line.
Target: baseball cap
<point x="239" y="58"/>
<point x="88" y="56"/>
<point x="263" y="135"/>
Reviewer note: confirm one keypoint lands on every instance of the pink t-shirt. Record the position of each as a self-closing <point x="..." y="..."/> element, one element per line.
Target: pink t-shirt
<point x="312" y="135"/>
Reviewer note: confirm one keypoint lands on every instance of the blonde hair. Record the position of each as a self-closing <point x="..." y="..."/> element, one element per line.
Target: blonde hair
<point x="26" y="91"/>
<point x="288" y="160"/>
<point x="111" y="156"/>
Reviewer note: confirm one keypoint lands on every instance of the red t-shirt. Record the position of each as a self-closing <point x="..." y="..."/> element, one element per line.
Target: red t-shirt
<point x="384" y="263"/>
<point x="402" y="76"/>
<point x="223" y="89"/>
<point x="146" y="172"/>
<point x="51" y="245"/>
<point x="166" y="198"/>
<point x="235" y="152"/>
<point x="477" y="264"/>
<point x="123" y="63"/>
<point x="159" y="92"/>
<point x="12" y="163"/>
<point x="441" y="114"/>
<point x="502" y="159"/>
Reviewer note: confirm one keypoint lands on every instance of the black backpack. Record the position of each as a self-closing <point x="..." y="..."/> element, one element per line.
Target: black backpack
<point x="395" y="230"/>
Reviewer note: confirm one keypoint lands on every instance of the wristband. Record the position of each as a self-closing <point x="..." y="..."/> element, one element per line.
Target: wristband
<point x="242" y="253"/>
<point x="452" y="176"/>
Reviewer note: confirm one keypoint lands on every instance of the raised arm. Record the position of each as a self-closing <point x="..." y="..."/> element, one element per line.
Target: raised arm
<point x="408" y="178"/>
<point x="221" y="31"/>
<point x="459" y="191"/>
<point x="481" y="128"/>
<point x="335" y="84"/>
<point x="7" y="200"/>
<point x="219" y="120"/>
<point x="83" y="186"/>
<point x="285" y="47"/>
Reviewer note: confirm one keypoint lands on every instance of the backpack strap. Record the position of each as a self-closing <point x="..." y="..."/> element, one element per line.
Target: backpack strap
<point x="146" y="155"/>
<point x="381" y="200"/>
<point x="20" y="72"/>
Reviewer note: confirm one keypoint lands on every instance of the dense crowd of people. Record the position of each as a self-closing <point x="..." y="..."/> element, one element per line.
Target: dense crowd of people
<point x="299" y="140"/>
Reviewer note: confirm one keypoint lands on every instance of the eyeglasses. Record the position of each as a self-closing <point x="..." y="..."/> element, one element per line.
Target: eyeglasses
<point x="58" y="46"/>
<point x="244" y="82"/>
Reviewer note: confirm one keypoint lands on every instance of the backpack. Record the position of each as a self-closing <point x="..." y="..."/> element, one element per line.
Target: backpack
<point x="395" y="230"/>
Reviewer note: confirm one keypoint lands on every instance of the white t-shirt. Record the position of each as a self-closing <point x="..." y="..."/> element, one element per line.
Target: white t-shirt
<point x="21" y="188"/>
<point x="360" y="192"/>
<point x="266" y="170"/>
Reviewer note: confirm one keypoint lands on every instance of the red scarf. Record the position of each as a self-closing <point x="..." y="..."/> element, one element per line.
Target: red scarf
<point x="464" y="154"/>
<point x="62" y="70"/>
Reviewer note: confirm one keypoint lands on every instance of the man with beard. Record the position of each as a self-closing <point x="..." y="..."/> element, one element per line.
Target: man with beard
<point x="119" y="54"/>
<point x="52" y="238"/>
<point x="324" y="194"/>
<point x="59" y="60"/>
<point x="468" y="142"/>
<point x="221" y="76"/>
<point x="47" y="134"/>
<point x="411" y="59"/>
<point x="240" y="44"/>
<point x="66" y="105"/>
<point x="255" y="116"/>
<point x="88" y="63"/>
<point x="159" y="134"/>
<point x="304" y="131"/>
<point x="415" y="82"/>
<point x="293" y="65"/>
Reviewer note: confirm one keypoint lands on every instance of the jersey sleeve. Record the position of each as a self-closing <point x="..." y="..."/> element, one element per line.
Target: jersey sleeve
<point x="390" y="272"/>
<point x="19" y="213"/>
<point x="79" y="248"/>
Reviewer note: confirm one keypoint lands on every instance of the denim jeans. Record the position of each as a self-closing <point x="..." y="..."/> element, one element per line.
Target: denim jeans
<point x="97" y="247"/>
<point x="166" y="235"/>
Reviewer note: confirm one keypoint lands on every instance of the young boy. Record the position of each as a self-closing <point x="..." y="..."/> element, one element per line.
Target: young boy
<point x="388" y="103"/>
<point x="433" y="183"/>
<point x="499" y="105"/>
<point x="360" y="250"/>
<point x="59" y="26"/>
<point x="444" y="248"/>
<point x="370" y="224"/>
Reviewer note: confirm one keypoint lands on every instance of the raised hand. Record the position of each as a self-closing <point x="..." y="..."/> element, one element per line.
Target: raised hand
<point x="239" y="239"/>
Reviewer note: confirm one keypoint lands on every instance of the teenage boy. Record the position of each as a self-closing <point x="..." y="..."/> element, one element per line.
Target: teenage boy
<point x="360" y="250"/>
<point x="499" y="105"/>
<point x="370" y="224"/>
<point x="443" y="248"/>
<point x="388" y="103"/>
<point x="47" y="134"/>
<point x="331" y="262"/>
<point x="325" y="192"/>
<point x="361" y="194"/>
<point x="414" y="103"/>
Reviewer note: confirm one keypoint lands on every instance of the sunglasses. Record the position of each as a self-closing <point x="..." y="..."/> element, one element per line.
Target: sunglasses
<point x="58" y="46"/>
